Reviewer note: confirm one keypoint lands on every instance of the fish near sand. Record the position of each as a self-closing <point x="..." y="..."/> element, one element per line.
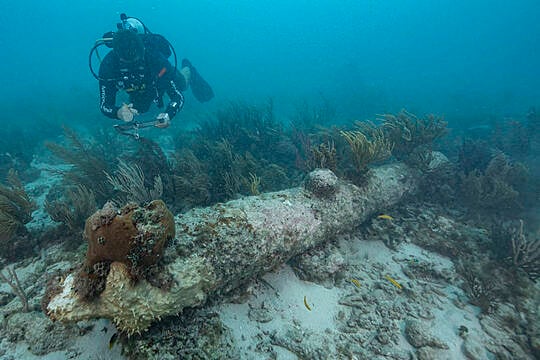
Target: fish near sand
<point x="394" y="282"/>
<point x="306" y="304"/>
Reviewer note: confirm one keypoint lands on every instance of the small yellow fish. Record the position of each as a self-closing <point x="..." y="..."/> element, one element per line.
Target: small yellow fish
<point x="394" y="282"/>
<point x="306" y="304"/>
<point x="356" y="282"/>
<point x="112" y="341"/>
<point x="385" y="217"/>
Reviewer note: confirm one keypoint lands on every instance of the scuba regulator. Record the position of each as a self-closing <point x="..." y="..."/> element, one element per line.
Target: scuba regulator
<point x="155" y="41"/>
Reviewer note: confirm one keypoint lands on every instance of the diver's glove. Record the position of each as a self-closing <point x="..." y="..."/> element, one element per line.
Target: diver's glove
<point x="163" y="121"/>
<point x="172" y="109"/>
<point x="126" y="112"/>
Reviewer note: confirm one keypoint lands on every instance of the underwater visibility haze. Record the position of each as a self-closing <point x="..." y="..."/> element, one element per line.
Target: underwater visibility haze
<point x="270" y="179"/>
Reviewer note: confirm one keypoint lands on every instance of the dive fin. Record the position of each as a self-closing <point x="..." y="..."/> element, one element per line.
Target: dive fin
<point x="199" y="87"/>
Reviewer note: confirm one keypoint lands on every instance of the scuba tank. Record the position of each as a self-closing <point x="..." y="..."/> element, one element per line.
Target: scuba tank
<point x="152" y="42"/>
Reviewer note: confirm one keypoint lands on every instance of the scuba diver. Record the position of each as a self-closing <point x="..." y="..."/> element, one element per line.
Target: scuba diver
<point x="138" y="64"/>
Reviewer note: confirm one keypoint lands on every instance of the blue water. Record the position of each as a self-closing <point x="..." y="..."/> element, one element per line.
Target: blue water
<point x="453" y="57"/>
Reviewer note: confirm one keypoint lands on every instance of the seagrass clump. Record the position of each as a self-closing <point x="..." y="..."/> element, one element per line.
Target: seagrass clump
<point x="129" y="181"/>
<point x="16" y="208"/>
<point x="88" y="164"/>
<point x="73" y="208"/>
<point x="495" y="190"/>
<point x="369" y="144"/>
<point x="407" y="131"/>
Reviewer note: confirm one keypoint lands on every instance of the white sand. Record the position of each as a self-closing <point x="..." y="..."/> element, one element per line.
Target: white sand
<point x="286" y="300"/>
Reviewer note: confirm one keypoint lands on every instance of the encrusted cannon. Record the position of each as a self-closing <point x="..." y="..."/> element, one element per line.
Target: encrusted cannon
<point x="218" y="248"/>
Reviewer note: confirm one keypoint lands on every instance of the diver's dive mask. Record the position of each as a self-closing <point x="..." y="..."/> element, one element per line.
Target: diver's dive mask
<point x="128" y="46"/>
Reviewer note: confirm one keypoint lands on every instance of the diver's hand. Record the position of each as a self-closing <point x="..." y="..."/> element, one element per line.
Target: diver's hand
<point x="163" y="121"/>
<point x="126" y="112"/>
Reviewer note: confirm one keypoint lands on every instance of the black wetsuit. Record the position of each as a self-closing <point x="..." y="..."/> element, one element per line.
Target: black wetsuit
<point x="145" y="82"/>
